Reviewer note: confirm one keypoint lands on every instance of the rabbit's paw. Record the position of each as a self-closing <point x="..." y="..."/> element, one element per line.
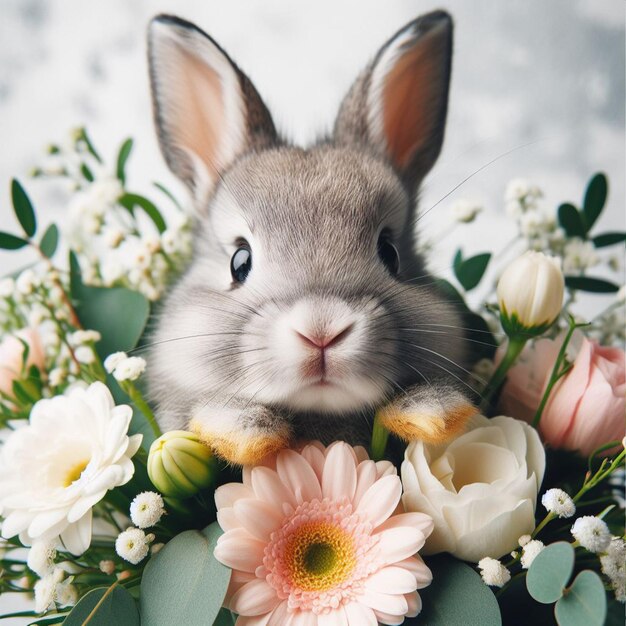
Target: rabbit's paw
<point x="242" y="437"/>
<point x="429" y="415"/>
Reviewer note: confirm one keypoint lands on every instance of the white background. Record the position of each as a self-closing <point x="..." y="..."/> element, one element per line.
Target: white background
<point x="524" y="71"/>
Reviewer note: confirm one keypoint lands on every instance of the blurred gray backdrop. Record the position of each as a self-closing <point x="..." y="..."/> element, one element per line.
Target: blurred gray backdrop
<point x="550" y="73"/>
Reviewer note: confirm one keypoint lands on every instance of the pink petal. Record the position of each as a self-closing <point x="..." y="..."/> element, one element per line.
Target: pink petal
<point x="396" y="544"/>
<point x="360" y="615"/>
<point x="315" y="458"/>
<point x="280" y="615"/>
<point x="254" y="598"/>
<point x="391" y="604"/>
<point x="237" y="580"/>
<point x="415" y="603"/>
<point x="365" y="478"/>
<point x="238" y="550"/>
<point x="421" y="521"/>
<point x="333" y="618"/>
<point x="419" y="569"/>
<point x="391" y="580"/>
<point x="258" y="517"/>
<point x="256" y="620"/>
<point x="380" y="500"/>
<point x="227" y="519"/>
<point x="228" y="494"/>
<point x="386" y="618"/>
<point x="339" y="475"/>
<point x="385" y="468"/>
<point x="298" y="476"/>
<point x="267" y="486"/>
<point x="361" y="453"/>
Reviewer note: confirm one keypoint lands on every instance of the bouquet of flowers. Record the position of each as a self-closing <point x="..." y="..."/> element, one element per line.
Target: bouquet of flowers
<point x="519" y="518"/>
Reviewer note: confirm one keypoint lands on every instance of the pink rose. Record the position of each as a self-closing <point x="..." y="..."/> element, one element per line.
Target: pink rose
<point x="587" y="407"/>
<point x="11" y="352"/>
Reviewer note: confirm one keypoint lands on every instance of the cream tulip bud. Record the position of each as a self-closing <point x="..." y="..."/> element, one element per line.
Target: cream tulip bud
<point x="530" y="293"/>
<point x="179" y="465"/>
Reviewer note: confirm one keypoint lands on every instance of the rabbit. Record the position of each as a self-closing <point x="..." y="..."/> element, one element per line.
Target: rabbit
<point x="306" y="307"/>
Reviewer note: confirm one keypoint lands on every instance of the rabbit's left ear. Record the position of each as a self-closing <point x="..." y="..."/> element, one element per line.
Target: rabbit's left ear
<point x="207" y="111"/>
<point x="398" y="105"/>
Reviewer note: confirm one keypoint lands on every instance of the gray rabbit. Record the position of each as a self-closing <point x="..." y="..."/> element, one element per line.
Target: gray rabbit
<point x="306" y="307"/>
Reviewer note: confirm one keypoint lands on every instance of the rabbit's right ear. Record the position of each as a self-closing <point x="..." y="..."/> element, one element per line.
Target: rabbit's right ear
<point x="207" y="111"/>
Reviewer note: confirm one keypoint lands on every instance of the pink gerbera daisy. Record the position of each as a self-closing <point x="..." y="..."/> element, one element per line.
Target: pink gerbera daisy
<point x="317" y="539"/>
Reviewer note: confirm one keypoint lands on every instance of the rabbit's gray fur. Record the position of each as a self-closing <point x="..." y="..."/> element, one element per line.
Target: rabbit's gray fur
<point x="227" y="354"/>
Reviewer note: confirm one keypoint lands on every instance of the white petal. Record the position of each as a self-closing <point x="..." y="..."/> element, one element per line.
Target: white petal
<point x="44" y="521"/>
<point x="83" y="505"/>
<point x="77" y="537"/>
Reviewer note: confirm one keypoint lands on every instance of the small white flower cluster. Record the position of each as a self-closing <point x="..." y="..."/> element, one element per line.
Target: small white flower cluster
<point x="147" y="509"/>
<point x="592" y="533"/>
<point x="133" y="545"/>
<point x="493" y="572"/>
<point x="54" y="588"/>
<point x="124" y="367"/>
<point x="465" y="211"/>
<point x="613" y="563"/>
<point x="558" y="502"/>
<point x="530" y="550"/>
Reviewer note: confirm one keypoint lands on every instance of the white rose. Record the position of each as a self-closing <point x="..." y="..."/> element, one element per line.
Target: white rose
<point x="480" y="489"/>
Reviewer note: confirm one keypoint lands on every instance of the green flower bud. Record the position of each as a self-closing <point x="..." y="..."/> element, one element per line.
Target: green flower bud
<point x="179" y="465"/>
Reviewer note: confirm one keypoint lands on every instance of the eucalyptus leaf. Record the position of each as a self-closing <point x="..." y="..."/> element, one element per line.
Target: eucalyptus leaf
<point x="456" y="597"/>
<point x="469" y="272"/>
<point x="225" y="618"/>
<point x="50" y="241"/>
<point x="584" y="603"/>
<point x="595" y="199"/>
<point x="118" y="607"/>
<point x="184" y="583"/>
<point x="550" y="572"/>
<point x="571" y="220"/>
<point x="118" y="314"/>
<point x="122" y="157"/>
<point x="11" y="242"/>
<point x="132" y="200"/>
<point x="589" y="283"/>
<point x="608" y="239"/>
<point x="23" y="208"/>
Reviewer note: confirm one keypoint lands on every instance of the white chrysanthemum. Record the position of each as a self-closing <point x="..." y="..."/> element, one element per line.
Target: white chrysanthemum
<point x="133" y="545"/>
<point x="493" y="572"/>
<point x="84" y="354"/>
<point x="558" y="502"/>
<point x="130" y="369"/>
<point x="113" y="360"/>
<point x="147" y="509"/>
<point x="465" y="211"/>
<point x="75" y="448"/>
<point x="614" y="560"/>
<point x="523" y="540"/>
<point x="45" y="590"/>
<point x="592" y="533"/>
<point x="81" y="337"/>
<point x="530" y="551"/>
<point x="41" y="557"/>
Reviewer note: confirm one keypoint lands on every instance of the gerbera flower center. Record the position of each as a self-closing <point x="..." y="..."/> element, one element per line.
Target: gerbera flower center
<point x="74" y="472"/>
<point x="319" y="556"/>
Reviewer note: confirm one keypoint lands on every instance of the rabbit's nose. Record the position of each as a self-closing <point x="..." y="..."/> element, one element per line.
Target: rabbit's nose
<point x="323" y="340"/>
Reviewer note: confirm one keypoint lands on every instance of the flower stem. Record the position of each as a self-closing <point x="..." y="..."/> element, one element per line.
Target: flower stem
<point x="515" y="346"/>
<point x="135" y="395"/>
<point x="380" y="435"/>
<point x="557" y="372"/>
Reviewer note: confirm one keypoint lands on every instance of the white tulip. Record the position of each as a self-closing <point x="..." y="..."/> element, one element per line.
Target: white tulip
<point x="530" y="292"/>
<point x="481" y="489"/>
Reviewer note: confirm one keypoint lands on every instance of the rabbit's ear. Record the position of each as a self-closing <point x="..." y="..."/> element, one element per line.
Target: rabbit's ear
<point x="206" y="110"/>
<point x="398" y="105"/>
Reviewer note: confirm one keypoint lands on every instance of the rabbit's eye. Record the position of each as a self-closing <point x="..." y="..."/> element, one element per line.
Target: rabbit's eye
<point x="388" y="253"/>
<point x="241" y="263"/>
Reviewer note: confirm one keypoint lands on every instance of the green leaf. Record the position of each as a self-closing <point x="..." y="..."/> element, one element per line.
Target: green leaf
<point x="595" y="199"/>
<point x="87" y="173"/>
<point x="50" y="241"/>
<point x="225" y="618"/>
<point x="584" y="603"/>
<point x="588" y="283"/>
<point x="11" y="242"/>
<point x="117" y="608"/>
<point x="550" y="571"/>
<point x="469" y="272"/>
<point x="608" y="239"/>
<point x="132" y="200"/>
<point x="122" y="157"/>
<point x="23" y="208"/>
<point x="571" y="220"/>
<point x="456" y="597"/>
<point x="184" y="583"/>
<point x="118" y="314"/>
<point x="51" y="619"/>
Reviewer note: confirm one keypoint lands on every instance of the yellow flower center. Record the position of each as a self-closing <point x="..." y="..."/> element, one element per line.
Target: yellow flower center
<point x="319" y="556"/>
<point x="74" y="472"/>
